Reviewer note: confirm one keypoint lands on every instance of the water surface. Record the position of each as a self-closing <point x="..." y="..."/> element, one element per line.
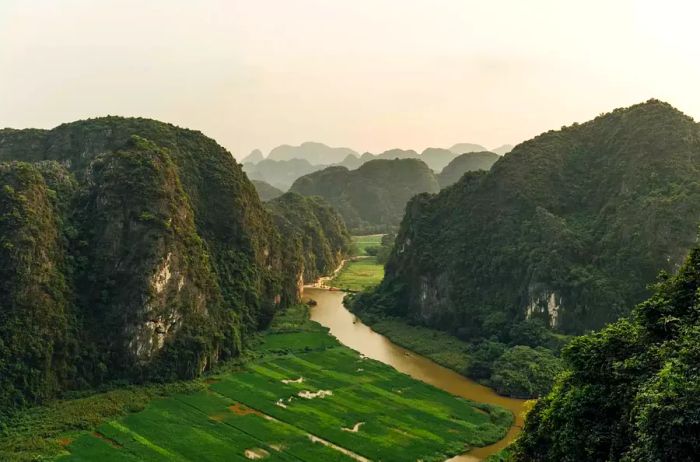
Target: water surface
<point x="347" y="328"/>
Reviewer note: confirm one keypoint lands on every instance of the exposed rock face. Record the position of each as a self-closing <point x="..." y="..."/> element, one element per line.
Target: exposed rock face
<point x="434" y="298"/>
<point x="544" y="304"/>
<point x="142" y="237"/>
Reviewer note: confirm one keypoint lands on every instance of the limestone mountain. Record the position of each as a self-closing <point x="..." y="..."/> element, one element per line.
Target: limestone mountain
<point x="568" y="228"/>
<point x="437" y="158"/>
<point x="314" y="232"/>
<point x="352" y="162"/>
<point x="469" y="162"/>
<point x="461" y="148"/>
<point x="279" y="173"/>
<point x="254" y="157"/>
<point x="266" y="191"/>
<point x="397" y="154"/>
<point x="503" y="150"/>
<point x="373" y="197"/>
<point x="314" y="153"/>
<point x="129" y="249"/>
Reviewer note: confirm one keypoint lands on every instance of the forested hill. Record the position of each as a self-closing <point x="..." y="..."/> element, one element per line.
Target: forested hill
<point x="129" y="249"/>
<point x="373" y="197"/>
<point x="568" y="228"/>
<point x="313" y="231"/>
<point x="633" y="390"/>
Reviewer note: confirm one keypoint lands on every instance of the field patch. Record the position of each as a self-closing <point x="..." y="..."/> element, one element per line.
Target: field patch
<point x="359" y="274"/>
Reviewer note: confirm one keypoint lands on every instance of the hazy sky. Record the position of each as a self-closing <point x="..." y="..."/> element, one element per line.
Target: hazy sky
<point x="367" y="74"/>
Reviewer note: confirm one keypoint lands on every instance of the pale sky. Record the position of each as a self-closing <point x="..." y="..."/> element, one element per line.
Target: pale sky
<point x="366" y="74"/>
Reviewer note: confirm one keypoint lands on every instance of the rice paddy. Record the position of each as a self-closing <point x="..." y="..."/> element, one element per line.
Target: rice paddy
<point x="305" y="398"/>
<point x="359" y="274"/>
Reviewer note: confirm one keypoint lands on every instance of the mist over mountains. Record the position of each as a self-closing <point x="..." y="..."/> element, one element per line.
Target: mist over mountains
<point x="286" y="163"/>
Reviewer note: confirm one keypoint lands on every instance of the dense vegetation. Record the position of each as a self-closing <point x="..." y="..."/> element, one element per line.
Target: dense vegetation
<point x="565" y="232"/>
<point x="464" y="163"/>
<point x="266" y="191"/>
<point x="632" y="391"/>
<point x="313" y="231"/>
<point x="264" y="408"/>
<point x="129" y="249"/>
<point x="37" y="321"/>
<point x="373" y="197"/>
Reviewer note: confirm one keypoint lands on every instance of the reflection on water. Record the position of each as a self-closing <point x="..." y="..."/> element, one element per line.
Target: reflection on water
<point x="331" y="313"/>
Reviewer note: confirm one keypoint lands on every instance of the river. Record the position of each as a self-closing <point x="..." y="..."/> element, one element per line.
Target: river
<point x="349" y="330"/>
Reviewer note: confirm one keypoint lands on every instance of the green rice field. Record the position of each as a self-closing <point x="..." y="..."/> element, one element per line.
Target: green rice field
<point x="359" y="274"/>
<point x="304" y="397"/>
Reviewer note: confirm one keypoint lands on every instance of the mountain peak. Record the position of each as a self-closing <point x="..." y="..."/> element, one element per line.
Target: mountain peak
<point x="254" y="157"/>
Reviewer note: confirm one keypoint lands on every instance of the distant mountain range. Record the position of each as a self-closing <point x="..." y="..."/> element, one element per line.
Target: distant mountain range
<point x="372" y="198"/>
<point x="315" y="153"/>
<point x="286" y="163"/>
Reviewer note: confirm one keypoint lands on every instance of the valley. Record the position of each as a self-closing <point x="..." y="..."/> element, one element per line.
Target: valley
<point x="167" y="312"/>
<point x="236" y="231"/>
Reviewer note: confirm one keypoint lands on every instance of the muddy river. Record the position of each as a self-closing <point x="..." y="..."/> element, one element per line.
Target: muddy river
<point x="331" y="313"/>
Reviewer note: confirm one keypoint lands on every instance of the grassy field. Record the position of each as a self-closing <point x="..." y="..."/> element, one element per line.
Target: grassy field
<point x="358" y="275"/>
<point x="303" y="397"/>
<point x="362" y="242"/>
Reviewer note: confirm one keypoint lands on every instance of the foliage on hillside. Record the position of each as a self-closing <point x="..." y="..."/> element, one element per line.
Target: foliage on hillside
<point x="373" y="197"/>
<point x="567" y="229"/>
<point x="632" y="392"/>
<point x="37" y="320"/>
<point x="312" y="230"/>
<point x="130" y="249"/>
